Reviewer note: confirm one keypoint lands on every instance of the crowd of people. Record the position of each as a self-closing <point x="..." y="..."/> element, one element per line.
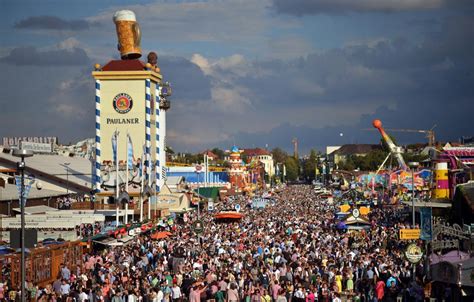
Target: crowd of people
<point x="290" y="251"/>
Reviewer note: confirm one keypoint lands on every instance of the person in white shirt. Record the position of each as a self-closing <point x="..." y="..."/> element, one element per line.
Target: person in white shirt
<point x="159" y="296"/>
<point x="175" y="293"/>
<point x="65" y="287"/>
<point x="83" y="295"/>
<point x="132" y="297"/>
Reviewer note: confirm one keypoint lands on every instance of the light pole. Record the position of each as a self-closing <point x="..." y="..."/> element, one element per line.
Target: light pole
<point x="21" y="167"/>
<point x="199" y="197"/>
<point x="413" y="166"/>
<point x="67" y="177"/>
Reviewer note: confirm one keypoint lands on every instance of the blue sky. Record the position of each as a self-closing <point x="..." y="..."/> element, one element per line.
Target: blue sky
<point x="249" y="72"/>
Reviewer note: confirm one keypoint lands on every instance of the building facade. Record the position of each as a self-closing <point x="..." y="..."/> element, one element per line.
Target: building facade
<point x="263" y="156"/>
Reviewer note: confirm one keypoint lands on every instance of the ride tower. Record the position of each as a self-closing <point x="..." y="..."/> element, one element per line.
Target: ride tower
<point x="236" y="170"/>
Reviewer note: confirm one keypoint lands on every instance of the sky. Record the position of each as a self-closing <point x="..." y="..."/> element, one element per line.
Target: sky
<point x="255" y="73"/>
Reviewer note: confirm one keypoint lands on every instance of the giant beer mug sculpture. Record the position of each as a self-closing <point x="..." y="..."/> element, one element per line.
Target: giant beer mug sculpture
<point x="128" y="33"/>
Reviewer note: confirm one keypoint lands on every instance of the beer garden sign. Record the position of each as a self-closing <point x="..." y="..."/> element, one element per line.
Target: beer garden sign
<point x="454" y="232"/>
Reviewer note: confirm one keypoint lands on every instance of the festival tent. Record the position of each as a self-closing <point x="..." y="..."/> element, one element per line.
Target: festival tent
<point x="160" y="235"/>
<point x="463" y="203"/>
<point x="452" y="256"/>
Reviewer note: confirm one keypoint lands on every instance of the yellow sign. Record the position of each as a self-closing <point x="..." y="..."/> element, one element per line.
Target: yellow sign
<point x="409" y="234"/>
<point x="364" y="211"/>
<point x="345" y="208"/>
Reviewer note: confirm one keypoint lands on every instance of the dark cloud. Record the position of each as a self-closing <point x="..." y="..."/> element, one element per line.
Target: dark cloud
<point x="52" y="23"/>
<point x="32" y="56"/>
<point x="187" y="79"/>
<point x="314" y="7"/>
<point x="59" y="100"/>
<point x="47" y="101"/>
<point x="412" y="85"/>
<point x="404" y="118"/>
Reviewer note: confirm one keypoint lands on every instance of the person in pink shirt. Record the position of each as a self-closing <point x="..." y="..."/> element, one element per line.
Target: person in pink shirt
<point x="380" y="290"/>
<point x="275" y="288"/>
<point x="310" y="297"/>
<point x="232" y="293"/>
<point x="196" y="291"/>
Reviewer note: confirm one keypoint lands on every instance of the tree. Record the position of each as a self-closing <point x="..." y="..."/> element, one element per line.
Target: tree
<point x="414" y="157"/>
<point x="369" y="162"/>
<point x="220" y="153"/>
<point x="169" y="150"/>
<point x="309" y="165"/>
<point x="348" y="164"/>
<point x="279" y="156"/>
<point x="373" y="160"/>
<point x="292" y="168"/>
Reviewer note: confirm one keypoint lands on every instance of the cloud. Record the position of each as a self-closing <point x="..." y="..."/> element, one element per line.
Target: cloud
<point x="243" y="27"/>
<point x="210" y="21"/>
<point x="313" y="7"/>
<point x="33" y="56"/>
<point x="202" y="62"/>
<point x="52" y="23"/>
<point x="189" y="82"/>
<point x="38" y="104"/>
<point x="405" y="83"/>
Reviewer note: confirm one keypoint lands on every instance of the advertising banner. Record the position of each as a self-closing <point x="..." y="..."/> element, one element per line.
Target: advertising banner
<point x="426" y="224"/>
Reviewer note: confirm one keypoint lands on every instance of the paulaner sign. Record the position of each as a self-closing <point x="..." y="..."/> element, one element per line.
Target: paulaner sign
<point x="121" y="121"/>
<point x="15" y="141"/>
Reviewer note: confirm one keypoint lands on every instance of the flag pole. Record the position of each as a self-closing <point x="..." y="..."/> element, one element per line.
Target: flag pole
<point x="116" y="133"/>
<point x="126" y="178"/>
<point x="141" y="188"/>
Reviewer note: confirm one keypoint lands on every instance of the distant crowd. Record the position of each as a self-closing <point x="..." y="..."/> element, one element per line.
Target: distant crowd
<point x="290" y="251"/>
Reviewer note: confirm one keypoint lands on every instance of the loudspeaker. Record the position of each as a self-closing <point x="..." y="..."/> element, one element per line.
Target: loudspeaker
<point x="31" y="238"/>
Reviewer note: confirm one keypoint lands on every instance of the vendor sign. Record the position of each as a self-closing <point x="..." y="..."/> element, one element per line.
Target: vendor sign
<point x="410" y="234"/>
<point x="413" y="253"/>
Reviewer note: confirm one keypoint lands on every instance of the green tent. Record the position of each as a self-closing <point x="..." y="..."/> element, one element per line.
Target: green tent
<point x="208" y="192"/>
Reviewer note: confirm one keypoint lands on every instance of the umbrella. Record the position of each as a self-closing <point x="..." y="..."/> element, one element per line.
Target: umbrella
<point x="5" y="250"/>
<point x="160" y="235"/>
<point x="341" y="226"/>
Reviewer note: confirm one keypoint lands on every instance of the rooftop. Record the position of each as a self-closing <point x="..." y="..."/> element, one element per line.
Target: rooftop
<point x="10" y="192"/>
<point x="209" y="153"/>
<point x="256" y="152"/>
<point x="77" y="171"/>
<point x="122" y="65"/>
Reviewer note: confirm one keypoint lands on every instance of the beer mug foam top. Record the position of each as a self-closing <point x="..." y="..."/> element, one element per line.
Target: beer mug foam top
<point x="128" y="33"/>
<point x="124" y="15"/>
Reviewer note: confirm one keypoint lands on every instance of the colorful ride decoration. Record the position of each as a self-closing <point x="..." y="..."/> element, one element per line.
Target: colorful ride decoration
<point x="372" y="179"/>
<point x="237" y="171"/>
<point x="421" y="179"/>
<point x="453" y="167"/>
<point x="441" y="179"/>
